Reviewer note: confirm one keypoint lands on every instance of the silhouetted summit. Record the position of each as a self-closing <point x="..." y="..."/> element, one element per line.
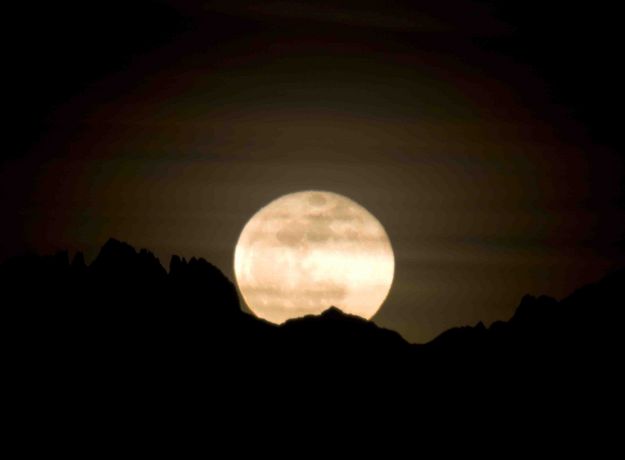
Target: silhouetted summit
<point x="119" y="262"/>
<point x="198" y="281"/>
<point x="334" y="331"/>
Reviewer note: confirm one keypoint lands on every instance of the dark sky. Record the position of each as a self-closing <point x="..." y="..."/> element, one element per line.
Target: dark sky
<point x="484" y="135"/>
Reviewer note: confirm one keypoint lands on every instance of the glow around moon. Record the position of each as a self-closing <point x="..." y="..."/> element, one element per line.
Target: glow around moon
<point x="307" y="251"/>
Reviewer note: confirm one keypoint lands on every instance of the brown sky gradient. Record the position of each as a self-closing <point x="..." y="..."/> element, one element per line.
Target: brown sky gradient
<point x="490" y="183"/>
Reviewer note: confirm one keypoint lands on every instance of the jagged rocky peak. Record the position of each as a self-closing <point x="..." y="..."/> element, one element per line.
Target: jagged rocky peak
<point x="176" y="264"/>
<point x="201" y="279"/>
<point x="335" y="313"/>
<point x="194" y="267"/>
<point x="532" y="308"/>
<point x="117" y="258"/>
<point x="115" y="249"/>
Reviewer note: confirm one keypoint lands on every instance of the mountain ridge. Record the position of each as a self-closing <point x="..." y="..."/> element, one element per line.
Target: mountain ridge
<point x="126" y="317"/>
<point x="118" y="261"/>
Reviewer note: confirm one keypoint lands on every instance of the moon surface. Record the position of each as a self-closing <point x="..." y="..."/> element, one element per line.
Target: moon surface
<point x="307" y="251"/>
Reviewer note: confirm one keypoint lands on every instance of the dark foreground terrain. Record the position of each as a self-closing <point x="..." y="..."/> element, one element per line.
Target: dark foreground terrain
<point x="124" y="341"/>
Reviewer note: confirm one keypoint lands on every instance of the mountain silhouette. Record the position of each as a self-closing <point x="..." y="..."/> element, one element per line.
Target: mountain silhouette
<point x="132" y="332"/>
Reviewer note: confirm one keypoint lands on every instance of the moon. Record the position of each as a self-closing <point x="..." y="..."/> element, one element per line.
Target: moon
<point x="309" y="250"/>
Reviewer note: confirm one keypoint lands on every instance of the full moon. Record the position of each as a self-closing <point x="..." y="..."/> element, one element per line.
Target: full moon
<point x="307" y="251"/>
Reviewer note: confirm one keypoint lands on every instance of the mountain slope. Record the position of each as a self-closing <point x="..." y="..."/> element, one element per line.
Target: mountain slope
<point x="125" y="315"/>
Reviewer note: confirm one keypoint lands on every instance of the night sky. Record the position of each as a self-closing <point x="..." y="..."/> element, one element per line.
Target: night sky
<point x="484" y="135"/>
